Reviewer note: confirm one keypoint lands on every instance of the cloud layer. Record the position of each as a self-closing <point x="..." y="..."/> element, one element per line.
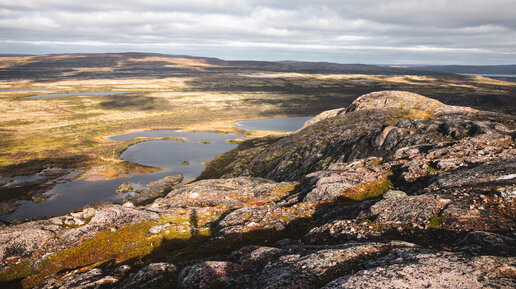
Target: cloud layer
<point x="366" y="31"/>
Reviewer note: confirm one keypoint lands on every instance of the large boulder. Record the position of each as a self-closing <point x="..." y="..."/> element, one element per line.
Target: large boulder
<point x="419" y="268"/>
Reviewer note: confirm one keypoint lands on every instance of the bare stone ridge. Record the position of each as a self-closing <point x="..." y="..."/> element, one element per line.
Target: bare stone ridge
<point x="394" y="99"/>
<point x="395" y="191"/>
<point x="324" y="115"/>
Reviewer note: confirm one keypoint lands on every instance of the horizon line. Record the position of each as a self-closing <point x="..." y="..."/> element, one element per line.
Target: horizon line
<point x="398" y="65"/>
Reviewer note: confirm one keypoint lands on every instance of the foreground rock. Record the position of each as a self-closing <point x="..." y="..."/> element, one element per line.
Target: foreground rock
<point x="152" y="190"/>
<point x="395" y="191"/>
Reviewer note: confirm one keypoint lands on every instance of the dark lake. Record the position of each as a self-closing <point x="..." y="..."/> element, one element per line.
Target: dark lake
<point x="166" y="154"/>
<point x="169" y="154"/>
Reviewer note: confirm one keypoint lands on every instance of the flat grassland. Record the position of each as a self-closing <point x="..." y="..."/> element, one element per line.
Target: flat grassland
<point x="170" y="92"/>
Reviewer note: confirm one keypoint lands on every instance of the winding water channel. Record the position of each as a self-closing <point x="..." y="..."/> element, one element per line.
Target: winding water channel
<point x="197" y="147"/>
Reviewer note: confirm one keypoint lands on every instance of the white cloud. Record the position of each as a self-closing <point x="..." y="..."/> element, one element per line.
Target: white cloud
<point x="330" y="30"/>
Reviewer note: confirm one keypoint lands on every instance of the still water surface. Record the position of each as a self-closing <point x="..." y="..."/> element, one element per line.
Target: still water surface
<point x="166" y="154"/>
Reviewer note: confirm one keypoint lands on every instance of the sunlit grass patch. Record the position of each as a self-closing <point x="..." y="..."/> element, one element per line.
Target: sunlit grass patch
<point x="367" y="190"/>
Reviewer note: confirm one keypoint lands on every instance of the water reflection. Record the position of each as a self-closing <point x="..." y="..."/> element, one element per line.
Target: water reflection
<point x="174" y="156"/>
<point x="167" y="154"/>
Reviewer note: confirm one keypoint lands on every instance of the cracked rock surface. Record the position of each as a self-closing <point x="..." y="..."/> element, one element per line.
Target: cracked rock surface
<point x="395" y="191"/>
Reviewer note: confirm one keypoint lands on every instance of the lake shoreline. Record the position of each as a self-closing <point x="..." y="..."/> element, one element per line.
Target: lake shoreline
<point x="135" y="154"/>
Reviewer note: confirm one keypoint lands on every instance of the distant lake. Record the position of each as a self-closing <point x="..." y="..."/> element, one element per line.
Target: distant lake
<point x="78" y="93"/>
<point x="274" y="124"/>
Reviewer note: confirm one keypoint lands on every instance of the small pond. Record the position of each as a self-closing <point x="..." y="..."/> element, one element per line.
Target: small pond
<point x="78" y="93"/>
<point x="167" y="154"/>
<point x="197" y="147"/>
<point x="20" y="179"/>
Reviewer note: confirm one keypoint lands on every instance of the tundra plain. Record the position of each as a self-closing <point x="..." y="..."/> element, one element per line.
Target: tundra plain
<point x="153" y="91"/>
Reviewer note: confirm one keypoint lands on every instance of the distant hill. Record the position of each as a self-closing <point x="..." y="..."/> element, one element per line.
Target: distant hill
<point x="474" y="69"/>
<point x="135" y="64"/>
<point x="322" y="67"/>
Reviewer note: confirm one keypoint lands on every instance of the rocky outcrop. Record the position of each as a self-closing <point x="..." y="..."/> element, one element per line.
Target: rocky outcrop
<point x="152" y="190"/>
<point x="395" y="191"/>
<point x="360" y="265"/>
<point x="420" y="268"/>
<point x="390" y="131"/>
<point x="164" y="185"/>
<point x="324" y="115"/>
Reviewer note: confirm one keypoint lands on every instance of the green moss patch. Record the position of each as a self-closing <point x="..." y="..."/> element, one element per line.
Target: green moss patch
<point x="367" y="190"/>
<point x="436" y="222"/>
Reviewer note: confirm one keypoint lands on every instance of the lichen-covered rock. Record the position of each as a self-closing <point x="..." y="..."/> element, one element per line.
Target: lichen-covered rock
<point x="324" y="115"/>
<point x="312" y="149"/>
<point x="394" y="194"/>
<point x="152" y="276"/>
<point x="108" y="217"/>
<point x="258" y="218"/>
<point x="295" y="266"/>
<point x="88" y="213"/>
<point x="24" y="240"/>
<point x="91" y="279"/>
<point x="418" y="268"/>
<point x="209" y="193"/>
<point x="313" y="269"/>
<point x="490" y="242"/>
<point x="164" y="185"/>
<point x="152" y="190"/>
<point x="252" y="255"/>
<point x="124" y="187"/>
<point x="209" y="274"/>
<point x="63" y="232"/>
<point x="389" y="131"/>
<point x="413" y="210"/>
<point x="158" y="228"/>
<point x="355" y="183"/>
<point x="446" y="174"/>
<point x="354" y="265"/>
<point x="483" y="176"/>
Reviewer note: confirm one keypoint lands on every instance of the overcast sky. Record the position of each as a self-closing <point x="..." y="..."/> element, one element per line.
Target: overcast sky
<point x="361" y="31"/>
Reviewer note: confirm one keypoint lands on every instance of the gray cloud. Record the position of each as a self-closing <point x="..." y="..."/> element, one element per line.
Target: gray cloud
<point x="367" y="31"/>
